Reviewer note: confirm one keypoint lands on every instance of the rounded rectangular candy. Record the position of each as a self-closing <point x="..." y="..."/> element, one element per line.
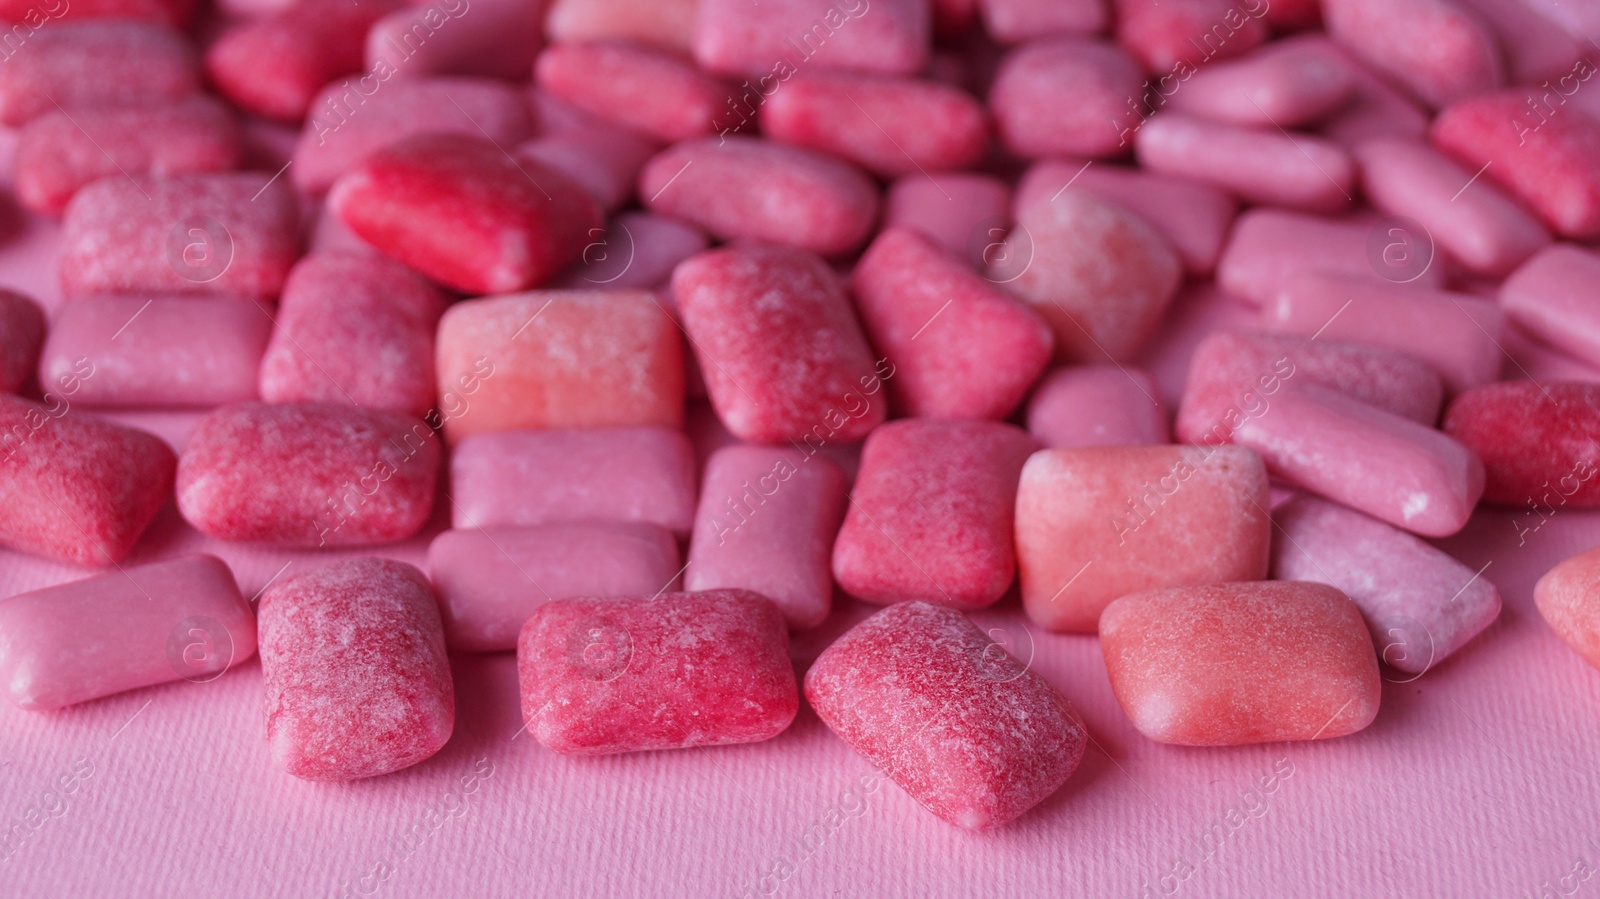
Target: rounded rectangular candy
<point x="1015" y="21"/>
<point x="1434" y="48"/>
<point x="1102" y="80"/>
<point x="1533" y="47"/>
<point x="1231" y="664"/>
<point x="959" y="211"/>
<point x="490" y="580"/>
<point x="1270" y="247"/>
<point x="1097" y="523"/>
<point x="971" y="733"/>
<point x="739" y="38"/>
<point x="308" y="474"/>
<point x="1537" y="441"/>
<point x="493" y="38"/>
<point x="597" y="474"/>
<point x="1181" y="37"/>
<point x="610" y="79"/>
<point x="561" y="359"/>
<point x="1269" y="167"/>
<point x="1568" y="598"/>
<point x="1097" y="405"/>
<point x="666" y="23"/>
<point x="608" y="675"/>
<point x="1376" y="109"/>
<point x="112" y="62"/>
<point x="153" y="624"/>
<point x="22" y="328"/>
<point x="1285" y="84"/>
<point x="1555" y="296"/>
<point x="354" y="667"/>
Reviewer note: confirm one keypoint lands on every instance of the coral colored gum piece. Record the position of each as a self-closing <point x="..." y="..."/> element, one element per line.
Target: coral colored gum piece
<point x="1097" y="405"/>
<point x="1537" y="441"/>
<point x="1568" y="597"/>
<point x="666" y="23"/>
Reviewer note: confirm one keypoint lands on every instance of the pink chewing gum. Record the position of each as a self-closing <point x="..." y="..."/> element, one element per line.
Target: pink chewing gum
<point x="1270" y="247"/>
<point x="177" y="352"/>
<point x="491" y="580"/>
<point x="938" y="706"/>
<point x="232" y="233"/>
<point x="459" y="210"/>
<point x="778" y="344"/>
<point x="609" y="675"/>
<point x="930" y="514"/>
<point x="744" y="188"/>
<point x="1553" y="297"/>
<point x="1181" y="37"/>
<point x="22" y="328"/>
<point x="1015" y="21"/>
<point x="1288" y="83"/>
<point x="1537" y="441"/>
<point x="1231" y="664"/>
<point x="612" y="80"/>
<point x="595" y="474"/>
<point x="1389" y="467"/>
<point x="59" y="153"/>
<point x="959" y="211"/>
<point x="1026" y="98"/>
<point x="960" y="347"/>
<point x="1568" y="598"/>
<point x="665" y="23"/>
<point x="1456" y="333"/>
<point x="1097" y="405"/>
<point x="766" y="522"/>
<point x="1101" y="276"/>
<point x="1375" y="109"/>
<point x="603" y="158"/>
<point x="154" y="624"/>
<point x="1484" y="230"/>
<point x="76" y="488"/>
<point x="637" y="250"/>
<point x="1259" y="165"/>
<point x="1434" y="48"/>
<point x="167" y="12"/>
<point x="1420" y="604"/>
<point x="1534" y="48"/>
<point x="1098" y="523"/>
<point x="358" y="329"/>
<point x="353" y="663"/>
<point x="734" y="37"/>
<point x="560" y="359"/>
<point x="308" y="474"/>
<point x="72" y="65"/>
<point x="492" y="38"/>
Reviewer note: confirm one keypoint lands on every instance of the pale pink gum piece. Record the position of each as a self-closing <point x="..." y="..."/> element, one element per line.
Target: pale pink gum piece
<point x="605" y="159"/>
<point x="353" y="664"/>
<point x="1479" y="226"/>
<point x="1420" y="604"/>
<point x="491" y="580"/>
<point x="960" y="346"/>
<point x="655" y="92"/>
<point x="708" y="435"/>
<point x="1268" y="248"/>
<point x="593" y="359"/>
<point x="964" y="212"/>
<point x="744" y="188"/>
<point x="1534" y="47"/>
<point x="1193" y="215"/>
<point x="1389" y="467"/>
<point x="171" y="352"/>
<point x="930" y="514"/>
<point x="349" y="122"/>
<point x="22" y="331"/>
<point x="1234" y="374"/>
<point x="1434" y="48"/>
<point x="1459" y="335"/>
<point x="1232" y="664"/>
<point x="665" y="23"/>
<point x="937" y="705"/>
<point x="1097" y="405"/>
<point x="491" y="38"/>
<point x="1026" y="98"/>
<point x="737" y="37"/>
<point x="637" y="250"/>
<point x="1568" y="598"/>
<point x="1100" y="274"/>
<point x="778" y="344"/>
<point x="626" y="674"/>
<point x="1097" y="523"/>
<point x="595" y="474"/>
<point x="177" y="619"/>
<point x="1179" y="37"/>
<point x="73" y="65"/>
<point x="1259" y="165"/>
<point x="1015" y="21"/>
<point x="1375" y="109"/>
<point x="1555" y="296"/>
<point x="234" y="233"/>
<point x="1289" y="83"/>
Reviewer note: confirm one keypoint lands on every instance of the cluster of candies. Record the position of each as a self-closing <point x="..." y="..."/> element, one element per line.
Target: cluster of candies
<point x="516" y="283"/>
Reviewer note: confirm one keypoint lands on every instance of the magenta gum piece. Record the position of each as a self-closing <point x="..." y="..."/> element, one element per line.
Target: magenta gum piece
<point x="22" y="328"/>
<point x="178" y="619"/>
<point x="602" y="676"/>
<point x="1553" y="296"/>
<point x="353" y="663"/>
<point x="1260" y="165"/>
<point x="1025" y="99"/>
<point x="938" y="706"/>
<point x="1434" y="48"/>
<point x="733" y="37"/>
<point x="956" y="210"/>
<point x="1270" y="247"/>
<point x="1289" y="83"/>
<point x="1097" y="405"/>
<point x="1015" y="21"/>
<point x="96" y="63"/>
<point x="491" y="580"/>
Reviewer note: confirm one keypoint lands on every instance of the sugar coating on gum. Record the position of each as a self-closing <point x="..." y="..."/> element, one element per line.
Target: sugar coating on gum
<point x="96" y="63"/>
<point x="1537" y="441"/>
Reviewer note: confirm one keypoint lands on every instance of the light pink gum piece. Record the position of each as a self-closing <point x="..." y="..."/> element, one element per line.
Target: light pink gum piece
<point x="744" y="188"/>
<point x="22" y="331"/>
<point x="1434" y="48"/>
<point x="1568" y="598"/>
<point x="637" y="250"/>
<point x="960" y="347"/>
<point x="1456" y="333"/>
<point x="491" y="38"/>
<point x="1270" y="247"/>
<point x="1233" y="376"/>
<point x="963" y="212"/>
<point x="1179" y="37"/>
<point x="666" y="23"/>
<point x="308" y="474"/>
<point x="354" y="667"/>
<point x="231" y="233"/>
<point x="491" y="580"/>
<point x="652" y="91"/>
<point x="1555" y="296"/>
<point x="938" y="706"/>
<point x="930" y="514"/>
<point x="593" y="359"/>
<point x="1420" y="604"/>
<point x="161" y="352"/>
<point x="889" y="36"/>
<point x="73" y="65"/>
<point x="154" y="624"/>
<point x="1288" y="83"/>
<point x="1389" y="467"/>
<point x="1026" y="98"/>
<point x="1259" y="165"/>
<point x="609" y="675"/>
<point x="1480" y="227"/>
<point x="1097" y="405"/>
<point x="1097" y="523"/>
<point x="605" y="159"/>
<point x="766" y="522"/>
<point x="1015" y="21"/>
<point x="778" y="344"/>
<point x="1232" y="664"/>
<point x="1533" y="47"/>
<point x="1375" y="109"/>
